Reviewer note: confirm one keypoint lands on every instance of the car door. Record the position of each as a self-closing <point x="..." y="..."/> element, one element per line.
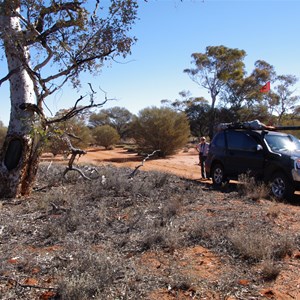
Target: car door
<point x="243" y="154"/>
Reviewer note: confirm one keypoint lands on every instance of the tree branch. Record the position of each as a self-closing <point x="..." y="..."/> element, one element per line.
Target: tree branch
<point x="73" y="6"/>
<point x="142" y="163"/>
<point x="12" y="72"/>
<point x="76" y="110"/>
<point x="74" y="153"/>
<point x="77" y="64"/>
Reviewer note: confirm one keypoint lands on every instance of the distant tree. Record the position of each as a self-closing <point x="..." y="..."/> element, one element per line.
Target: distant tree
<point x="282" y="100"/>
<point x="245" y="91"/>
<point x="117" y="117"/>
<point x="3" y="131"/>
<point x="198" y="113"/>
<point x="98" y="119"/>
<point x="225" y="115"/>
<point x="105" y="136"/>
<point x="291" y="120"/>
<point x="197" y="110"/>
<point x="258" y="111"/>
<point x="160" y="129"/>
<point x="181" y="104"/>
<point x="47" y="44"/>
<point x="214" y="69"/>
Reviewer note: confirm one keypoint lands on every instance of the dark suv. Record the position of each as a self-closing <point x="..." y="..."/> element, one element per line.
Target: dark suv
<point x="271" y="156"/>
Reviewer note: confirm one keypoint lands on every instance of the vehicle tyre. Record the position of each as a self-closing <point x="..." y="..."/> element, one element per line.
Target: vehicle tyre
<point x="281" y="188"/>
<point x="217" y="175"/>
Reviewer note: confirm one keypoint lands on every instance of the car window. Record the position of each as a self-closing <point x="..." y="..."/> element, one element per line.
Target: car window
<point x="280" y="143"/>
<point x="219" y="141"/>
<point x="240" y="141"/>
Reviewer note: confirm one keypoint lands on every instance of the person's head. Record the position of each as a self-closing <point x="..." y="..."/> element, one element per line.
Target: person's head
<point x="202" y="139"/>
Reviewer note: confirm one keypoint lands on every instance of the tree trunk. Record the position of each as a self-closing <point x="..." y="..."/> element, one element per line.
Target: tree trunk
<point x="20" y="156"/>
<point x="212" y="124"/>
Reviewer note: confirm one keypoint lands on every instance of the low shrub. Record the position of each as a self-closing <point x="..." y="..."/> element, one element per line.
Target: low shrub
<point x="251" y="189"/>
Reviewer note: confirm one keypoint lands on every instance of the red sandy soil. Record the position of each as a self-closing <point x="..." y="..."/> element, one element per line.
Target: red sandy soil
<point x="184" y="163"/>
<point x="199" y="260"/>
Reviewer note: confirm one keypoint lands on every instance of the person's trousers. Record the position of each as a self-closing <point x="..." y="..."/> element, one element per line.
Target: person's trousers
<point x="202" y="164"/>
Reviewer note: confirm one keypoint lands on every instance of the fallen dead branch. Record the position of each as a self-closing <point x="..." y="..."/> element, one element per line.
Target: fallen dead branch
<point x="142" y="163"/>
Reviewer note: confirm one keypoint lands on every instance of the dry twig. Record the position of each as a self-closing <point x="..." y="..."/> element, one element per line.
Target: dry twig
<point x="142" y="163"/>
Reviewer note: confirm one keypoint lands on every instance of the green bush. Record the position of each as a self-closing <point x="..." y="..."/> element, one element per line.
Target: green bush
<point x="160" y="129"/>
<point x="79" y="134"/>
<point x="105" y="136"/>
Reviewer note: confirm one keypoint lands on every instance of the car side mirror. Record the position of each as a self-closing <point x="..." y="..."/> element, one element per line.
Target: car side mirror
<point x="259" y="147"/>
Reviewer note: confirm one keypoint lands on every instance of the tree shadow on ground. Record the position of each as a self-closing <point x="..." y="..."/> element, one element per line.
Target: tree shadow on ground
<point x="122" y="159"/>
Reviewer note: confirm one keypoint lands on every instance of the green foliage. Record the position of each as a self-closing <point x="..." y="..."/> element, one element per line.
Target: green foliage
<point x="75" y="127"/>
<point x="199" y="115"/>
<point x="78" y="36"/>
<point x="216" y="67"/>
<point x="291" y="120"/>
<point x="105" y="136"/>
<point x="197" y="110"/>
<point x="98" y="119"/>
<point x="117" y="117"/>
<point x="285" y="100"/>
<point x="221" y="71"/>
<point x="245" y="91"/>
<point x="160" y="129"/>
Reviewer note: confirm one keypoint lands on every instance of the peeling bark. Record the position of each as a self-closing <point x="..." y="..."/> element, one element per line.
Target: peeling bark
<point x="19" y="159"/>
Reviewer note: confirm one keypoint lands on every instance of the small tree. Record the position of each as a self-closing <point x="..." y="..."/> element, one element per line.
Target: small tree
<point x="105" y="136"/>
<point x="160" y="129"/>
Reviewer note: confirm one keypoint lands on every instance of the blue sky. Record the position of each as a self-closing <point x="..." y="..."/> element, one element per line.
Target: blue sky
<point x="169" y="31"/>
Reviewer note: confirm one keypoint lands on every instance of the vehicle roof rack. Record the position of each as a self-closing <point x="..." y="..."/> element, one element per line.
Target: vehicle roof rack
<point x="254" y="125"/>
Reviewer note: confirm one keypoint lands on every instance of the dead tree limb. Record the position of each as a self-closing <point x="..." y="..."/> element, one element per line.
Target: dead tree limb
<point x="74" y="152"/>
<point x="142" y="163"/>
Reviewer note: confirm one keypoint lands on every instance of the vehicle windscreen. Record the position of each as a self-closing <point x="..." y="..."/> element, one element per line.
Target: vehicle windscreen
<point x="282" y="143"/>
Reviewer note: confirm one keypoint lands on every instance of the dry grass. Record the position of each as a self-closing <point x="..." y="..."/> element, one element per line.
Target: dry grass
<point x="257" y="244"/>
<point x="249" y="188"/>
<point x="89" y="239"/>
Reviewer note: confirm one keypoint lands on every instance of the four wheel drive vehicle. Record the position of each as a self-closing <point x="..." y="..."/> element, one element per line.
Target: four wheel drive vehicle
<point x="268" y="155"/>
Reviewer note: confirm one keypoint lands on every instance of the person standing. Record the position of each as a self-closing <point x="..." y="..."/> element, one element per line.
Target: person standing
<point x="202" y="148"/>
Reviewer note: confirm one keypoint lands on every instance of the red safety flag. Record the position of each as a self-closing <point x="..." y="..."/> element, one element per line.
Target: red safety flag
<point x="266" y="87"/>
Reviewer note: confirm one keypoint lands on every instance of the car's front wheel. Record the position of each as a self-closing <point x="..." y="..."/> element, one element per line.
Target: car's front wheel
<point x="281" y="188"/>
<point x="217" y="175"/>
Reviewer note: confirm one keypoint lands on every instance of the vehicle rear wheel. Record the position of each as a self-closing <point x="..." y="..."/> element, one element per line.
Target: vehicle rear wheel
<point x="218" y="175"/>
<point x="281" y="188"/>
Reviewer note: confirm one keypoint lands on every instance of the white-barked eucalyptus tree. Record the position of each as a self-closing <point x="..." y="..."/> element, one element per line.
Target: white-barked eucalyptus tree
<point x="48" y="43"/>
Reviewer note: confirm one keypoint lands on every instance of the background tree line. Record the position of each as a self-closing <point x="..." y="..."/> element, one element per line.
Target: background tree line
<point x="234" y="96"/>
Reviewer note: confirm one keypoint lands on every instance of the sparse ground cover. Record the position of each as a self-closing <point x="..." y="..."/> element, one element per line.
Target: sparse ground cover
<point x="155" y="236"/>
